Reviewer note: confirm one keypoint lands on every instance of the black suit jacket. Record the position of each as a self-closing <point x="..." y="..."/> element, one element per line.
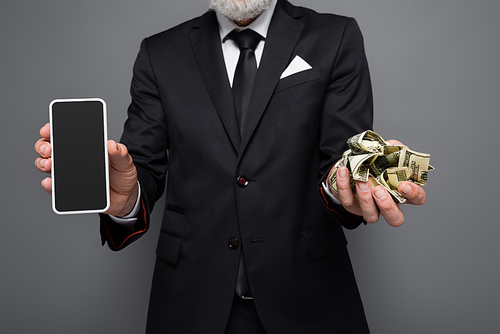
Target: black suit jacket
<point x="182" y="118"/>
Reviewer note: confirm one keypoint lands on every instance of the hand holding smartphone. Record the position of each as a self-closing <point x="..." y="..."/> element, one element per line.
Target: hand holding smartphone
<point x="80" y="175"/>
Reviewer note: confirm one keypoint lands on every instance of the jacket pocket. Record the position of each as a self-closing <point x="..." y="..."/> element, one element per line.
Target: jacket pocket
<point x="168" y="248"/>
<point x="298" y="79"/>
<point x="324" y="240"/>
<point x="170" y="240"/>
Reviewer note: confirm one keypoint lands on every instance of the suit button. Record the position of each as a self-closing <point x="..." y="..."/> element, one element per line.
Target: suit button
<point x="233" y="243"/>
<point x="242" y="181"/>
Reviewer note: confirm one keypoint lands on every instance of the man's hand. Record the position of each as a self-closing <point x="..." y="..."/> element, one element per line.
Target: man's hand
<point x="372" y="202"/>
<point x="122" y="173"/>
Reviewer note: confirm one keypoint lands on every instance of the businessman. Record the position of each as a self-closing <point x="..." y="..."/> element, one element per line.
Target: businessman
<point x="248" y="107"/>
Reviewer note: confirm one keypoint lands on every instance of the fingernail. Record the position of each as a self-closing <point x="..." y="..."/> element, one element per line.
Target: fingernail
<point x="364" y="186"/>
<point x="405" y="189"/>
<point x="342" y="173"/>
<point x="42" y="149"/>
<point x="380" y="193"/>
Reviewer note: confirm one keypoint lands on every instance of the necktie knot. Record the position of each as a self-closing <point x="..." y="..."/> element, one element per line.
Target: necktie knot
<point x="245" y="39"/>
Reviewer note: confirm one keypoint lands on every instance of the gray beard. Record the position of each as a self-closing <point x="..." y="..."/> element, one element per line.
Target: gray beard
<point x="239" y="10"/>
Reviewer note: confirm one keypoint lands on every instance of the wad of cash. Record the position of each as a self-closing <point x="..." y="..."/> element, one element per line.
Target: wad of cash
<point x="371" y="158"/>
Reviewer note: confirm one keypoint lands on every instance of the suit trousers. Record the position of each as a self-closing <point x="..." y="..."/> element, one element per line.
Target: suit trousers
<point x="243" y="318"/>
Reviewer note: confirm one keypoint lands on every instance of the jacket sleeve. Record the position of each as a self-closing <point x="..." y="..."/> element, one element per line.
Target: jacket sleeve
<point x="118" y="237"/>
<point x="347" y="110"/>
<point x="145" y="136"/>
<point x="348" y="220"/>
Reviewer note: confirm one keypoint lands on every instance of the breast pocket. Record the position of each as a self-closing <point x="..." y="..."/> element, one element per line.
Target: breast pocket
<point x="172" y="229"/>
<point x="298" y="79"/>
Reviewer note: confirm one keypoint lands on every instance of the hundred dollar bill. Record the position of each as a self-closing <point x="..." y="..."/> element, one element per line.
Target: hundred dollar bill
<point x="367" y="141"/>
<point x="359" y="160"/>
<point x="371" y="158"/>
<point x="418" y="162"/>
<point x="395" y="175"/>
<point x="362" y="173"/>
<point x="383" y="162"/>
<point x="398" y="198"/>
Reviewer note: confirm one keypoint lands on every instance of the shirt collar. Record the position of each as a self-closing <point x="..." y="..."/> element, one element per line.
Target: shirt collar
<point x="260" y="25"/>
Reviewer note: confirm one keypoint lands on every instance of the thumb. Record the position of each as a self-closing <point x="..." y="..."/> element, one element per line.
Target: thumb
<point x="119" y="158"/>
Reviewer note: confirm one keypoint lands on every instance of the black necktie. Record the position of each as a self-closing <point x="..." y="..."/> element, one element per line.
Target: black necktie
<point x="244" y="77"/>
<point x="246" y="69"/>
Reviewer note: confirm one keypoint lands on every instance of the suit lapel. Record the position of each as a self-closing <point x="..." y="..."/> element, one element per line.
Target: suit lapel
<point x="205" y="41"/>
<point x="282" y="37"/>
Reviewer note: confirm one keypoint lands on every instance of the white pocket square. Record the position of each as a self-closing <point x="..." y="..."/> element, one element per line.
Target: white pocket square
<point x="297" y="65"/>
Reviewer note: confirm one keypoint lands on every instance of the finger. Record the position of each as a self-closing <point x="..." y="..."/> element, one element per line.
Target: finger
<point x="388" y="208"/>
<point x="123" y="180"/>
<point x="119" y="157"/>
<point x="43" y="165"/>
<point x="43" y="148"/>
<point x="47" y="185"/>
<point x="45" y="131"/>
<point x="413" y="193"/>
<point x="366" y="202"/>
<point x="345" y="195"/>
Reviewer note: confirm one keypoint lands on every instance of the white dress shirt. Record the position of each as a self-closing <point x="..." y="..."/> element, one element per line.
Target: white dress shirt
<point x="230" y="49"/>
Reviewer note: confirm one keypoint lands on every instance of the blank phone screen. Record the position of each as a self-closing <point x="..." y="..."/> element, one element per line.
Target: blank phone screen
<point x="79" y="156"/>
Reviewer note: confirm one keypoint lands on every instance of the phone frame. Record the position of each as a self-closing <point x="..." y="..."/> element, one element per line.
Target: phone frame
<point x="106" y="160"/>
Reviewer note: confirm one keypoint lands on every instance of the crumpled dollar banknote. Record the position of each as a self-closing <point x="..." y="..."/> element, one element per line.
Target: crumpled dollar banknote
<point x="371" y="158"/>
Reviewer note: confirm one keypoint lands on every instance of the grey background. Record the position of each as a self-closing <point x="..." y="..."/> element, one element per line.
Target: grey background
<point x="435" y="77"/>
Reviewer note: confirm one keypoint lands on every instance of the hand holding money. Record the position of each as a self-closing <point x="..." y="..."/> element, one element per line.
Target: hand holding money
<point x="371" y="158"/>
<point x="388" y="167"/>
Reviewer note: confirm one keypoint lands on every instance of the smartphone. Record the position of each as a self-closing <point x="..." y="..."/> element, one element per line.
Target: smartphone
<point x="80" y="173"/>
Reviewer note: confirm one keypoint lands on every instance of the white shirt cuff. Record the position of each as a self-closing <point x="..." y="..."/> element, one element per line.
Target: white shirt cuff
<point x="129" y="220"/>
<point x="328" y="192"/>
